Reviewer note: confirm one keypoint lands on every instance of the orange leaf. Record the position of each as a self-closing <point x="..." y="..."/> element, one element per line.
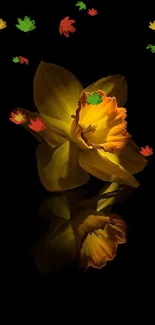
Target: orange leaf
<point x="18" y="117"/>
<point x="23" y="60"/>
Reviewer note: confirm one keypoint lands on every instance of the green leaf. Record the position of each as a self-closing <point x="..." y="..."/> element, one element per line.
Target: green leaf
<point x="94" y="99"/>
<point x="26" y="24"/>
<point x="81" y="5"/>
<point x="151" y="47"/>
<point x="16" y="59"/>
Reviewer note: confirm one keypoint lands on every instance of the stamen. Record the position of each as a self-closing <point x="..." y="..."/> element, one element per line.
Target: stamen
<point x="90" y="128"/>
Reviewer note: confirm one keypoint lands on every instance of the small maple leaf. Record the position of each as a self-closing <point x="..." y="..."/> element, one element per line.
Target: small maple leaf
<point x="151" y="47"/>
<point x="23" y="60"/>
<point x="147" y="151"/>
<point x="152" y="25"/>
<point x="66" y="26"/>
<point x="16" y="59"/>
<point x="2" y="24"/>
<point x="37" y="124"/>
<point x="26" y="24"/>
<point x="81" y="5"/>
<point x="18" y="117"/>
<point x="94" y="98"/>
<point x="92" y="12"/>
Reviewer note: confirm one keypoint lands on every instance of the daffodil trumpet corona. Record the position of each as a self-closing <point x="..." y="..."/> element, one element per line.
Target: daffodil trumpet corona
<point x="83" y="134"/>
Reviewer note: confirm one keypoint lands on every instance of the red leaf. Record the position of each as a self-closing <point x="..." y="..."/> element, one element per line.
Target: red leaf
<point x="23" y="60"/>
<point x="66" y="26"/>
<point x="147" y="151"/>
<point x="37" y="124"/>
<point x="92" y="12"/>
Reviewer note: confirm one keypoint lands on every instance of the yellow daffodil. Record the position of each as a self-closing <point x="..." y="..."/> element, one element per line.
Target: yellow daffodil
<point x="82" y="138"/>
<point x="92" y="235"/>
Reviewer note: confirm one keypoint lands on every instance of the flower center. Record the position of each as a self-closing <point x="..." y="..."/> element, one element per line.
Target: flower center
<point x="99" y="123"/>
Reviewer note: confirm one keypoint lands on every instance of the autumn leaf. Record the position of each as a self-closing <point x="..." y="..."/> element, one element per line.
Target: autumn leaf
<point x="37" y="124"/>
<point x="18" y="117"/>
<point x="66" y="26"/>
<point x="147" y="151"/>
<point x="2" y="24"/>
<point x="94" y="99"/>
<point x="152" y="25"/>
<point x="16" y="59"/>
<point x="92" y="12"/>
<point x="81" y="5"/>
<point x="26" y="24"/>
<point x="151" y="47"/>
<point x="23" y="60"/>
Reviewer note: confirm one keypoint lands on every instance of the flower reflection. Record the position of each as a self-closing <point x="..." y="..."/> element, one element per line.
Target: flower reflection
<point x="80" y="229"/>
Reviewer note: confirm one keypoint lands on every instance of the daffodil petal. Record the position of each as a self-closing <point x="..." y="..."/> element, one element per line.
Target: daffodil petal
<point x="57" y="205"/>
<point x="116" y="232"/>
<point x="109" y="195"/>
<point x="96" y="163"/>
<point x="131" y="159"/>
<point x="109" y="188"/>
<point x="97" y="250"/>
<point x="112" y="194"/>
<point x="56" y="91"/>
<point x="88" y="221"/>
<point x="91" y="253"/>
<point x="56" y="132"/>
<point x="104" y="198"/>
<point x="113" y="86"/>
<point x="59" y="169"/>
<point x="108" y="201"/>
<point x="56" y="250"/>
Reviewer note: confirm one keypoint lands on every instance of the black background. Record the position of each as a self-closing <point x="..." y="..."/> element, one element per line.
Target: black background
<point x="113" y="42"/>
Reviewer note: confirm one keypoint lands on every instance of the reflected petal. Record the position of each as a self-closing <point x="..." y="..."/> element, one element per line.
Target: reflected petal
<point x="57" y="205"/>
<point x="57" y="249"/>
<point x="97" y="250"/>
<point x="101" y="245"/>
<point x="112" y="194"/>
